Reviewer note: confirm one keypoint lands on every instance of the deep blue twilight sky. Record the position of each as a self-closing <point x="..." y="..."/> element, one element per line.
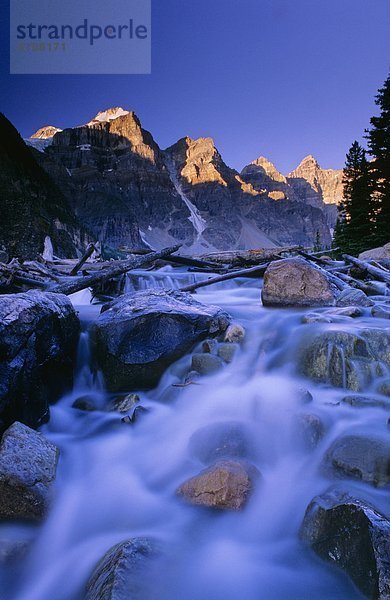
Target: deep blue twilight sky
<point x="280" y="78"/>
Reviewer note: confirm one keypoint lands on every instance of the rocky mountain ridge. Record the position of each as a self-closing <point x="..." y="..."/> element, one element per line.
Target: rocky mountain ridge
<point x="129" y="192"/>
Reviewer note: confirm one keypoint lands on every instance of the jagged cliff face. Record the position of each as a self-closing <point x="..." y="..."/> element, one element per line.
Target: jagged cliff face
<point x="130" y="193"/>
<point x="32" y="206"/>
<point x="308" y="183"/>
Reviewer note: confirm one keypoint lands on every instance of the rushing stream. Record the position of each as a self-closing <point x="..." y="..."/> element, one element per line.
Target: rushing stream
<point x="117" y="481"/>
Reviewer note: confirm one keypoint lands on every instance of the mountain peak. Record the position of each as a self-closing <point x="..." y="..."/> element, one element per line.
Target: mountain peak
<point x="309" y="160"/>
<point x="46" y="132"/>
<point x="108" y="115"/>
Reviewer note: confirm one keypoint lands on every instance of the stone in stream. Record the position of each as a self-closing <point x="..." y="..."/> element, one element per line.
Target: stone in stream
<point x="84" y="403"/>
<point x="139" y="335"/>
<point x="210" y="346"/>
<point x="361" y="401"/>
<point x="125" y="572"/>
<point x="295" y="282"/>
<point x="384" y="388"/>
<point x="28" y="463"/>
<point x="361" y="457"/>
<point x="13" y="550"/>
<point x="38" y="341"/>
<point x="205" y="363"/>
<point x="345" y="359"/>
<point x="227" y="351"/>
<point x="310" y="429"/>
<point x="125" y="404"/>
<point x="226" y="439"/>
<point x="353" y="297"/>
<point x="225" y="485"/>
<point x="234" y="333"/>
<point x="346" y="311"/>
<point x="381" y="311"/>
<point x="352" y="535"/>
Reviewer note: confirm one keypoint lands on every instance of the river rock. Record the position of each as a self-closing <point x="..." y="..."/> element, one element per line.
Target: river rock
<point x="38" y="340"/>
<point x="345" y="311"/>
<point x="381" y="311"/>
<point x="361" y="457"/>
<point x="226" y="439"/>
<point x="360" y="401"/>
<point x="139" y="335"/>
<point x="345" y="359"/>
<point x="310" y="429"/>
<point x="227" y="351"/>
<point x="355" y="537"/>
<point x="225" y="485"/>
<point x="234" y="333"/>
<point x="28" y="463"/>
<point x="353" y="297"/>
<point x="210" y="346"/>
<point x="295" y="282"/>
<point x="84" y="403"/>
<point x="206" y="364"/>
<point x="384" y="388"/>
<point x="125" y="404"/>
<point x="124" y="572"/>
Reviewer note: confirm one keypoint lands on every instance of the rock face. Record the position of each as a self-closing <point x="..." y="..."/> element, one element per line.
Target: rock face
<point x="38" y="340"/>
<point x="32" y="206"/>
<point x="294" y="282"/>
<point x="365" y="458"/>
<point x="27" y="469"/>
<point x="139" y="335"/>
<point x="316" y="186"/>
<point x="225" y="485"/>
<point x="345" y="359"/>
<point x="124" y="572"/>
<point x="46" y="132"/>
<point x="354" y="537"/>
<point x="129" y="192"/>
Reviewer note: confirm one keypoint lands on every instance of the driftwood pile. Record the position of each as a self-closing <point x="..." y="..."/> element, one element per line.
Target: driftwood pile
<point x="105" y="278"/>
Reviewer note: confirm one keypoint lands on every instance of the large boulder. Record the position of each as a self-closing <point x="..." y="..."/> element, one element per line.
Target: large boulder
<point x="225" y="485"/>
<point x="124" y="572"/>
<point x="381" y="253"/>
<point x="28" y="465"/>
<point x="138" y="336"/>
<point x="361" y="457"/>
<point x="345" y="359"/>
<point x="295" y="282"/>
<point x="353" y="536"/>
<point x="38" y="341"/>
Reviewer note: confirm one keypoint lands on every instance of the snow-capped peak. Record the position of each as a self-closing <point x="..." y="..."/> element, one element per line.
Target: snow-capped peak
<point x="108" y="115"/>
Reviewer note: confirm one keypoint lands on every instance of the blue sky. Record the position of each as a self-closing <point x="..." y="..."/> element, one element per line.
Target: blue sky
<point x="280" y="78"/>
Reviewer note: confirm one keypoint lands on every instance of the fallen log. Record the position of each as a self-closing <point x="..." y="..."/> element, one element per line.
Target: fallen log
<point x="312" y="257"/>
<point x="380" y="274"/>
<point x="192" y="262"/>
<point x="258" y="270"/>
<point x="89" y="251"/>
<point x="367" y="288"/>
<point x="81" y="283"/>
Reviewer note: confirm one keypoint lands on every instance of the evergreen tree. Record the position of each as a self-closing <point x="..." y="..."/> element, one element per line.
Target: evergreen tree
<point x="379" y="148"/>
<point x="353" y="232"/>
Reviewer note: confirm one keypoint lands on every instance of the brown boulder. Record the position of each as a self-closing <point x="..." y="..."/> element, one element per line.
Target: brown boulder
<point x="225" y="485"/>
<point x="295" y="282"/>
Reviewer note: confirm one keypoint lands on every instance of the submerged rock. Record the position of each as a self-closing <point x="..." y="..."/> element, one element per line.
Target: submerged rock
<point x="124" y="572"/>
<point x="84" y="403"/>
<point x="345" y="359"/>
<point x="13" y="550"/>
<point x="139" y="335"/>
<point x="225" y="485"/>
<point x="28" y="465"/>
<point x="381" y="311"/>
<point x="310" y="429"/>
<point x="360" y="401"/>
<point x="205" y="364"/>
<point x="295" y="282"/>
<point x="361" y="457"/>
<point x="353" y="297"/>
<point x="226" y="439"/>
<point x="38" y="340"/>
<point x="353" y="536"/>
<point x="227" y="351"/>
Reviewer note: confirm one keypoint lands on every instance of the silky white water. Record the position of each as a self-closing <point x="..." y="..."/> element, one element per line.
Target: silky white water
<point x="116" y="481"/>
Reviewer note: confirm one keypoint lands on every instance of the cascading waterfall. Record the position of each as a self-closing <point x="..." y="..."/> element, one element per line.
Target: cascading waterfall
<point x="116" y="481"/>
<point x="195" y="217"/>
